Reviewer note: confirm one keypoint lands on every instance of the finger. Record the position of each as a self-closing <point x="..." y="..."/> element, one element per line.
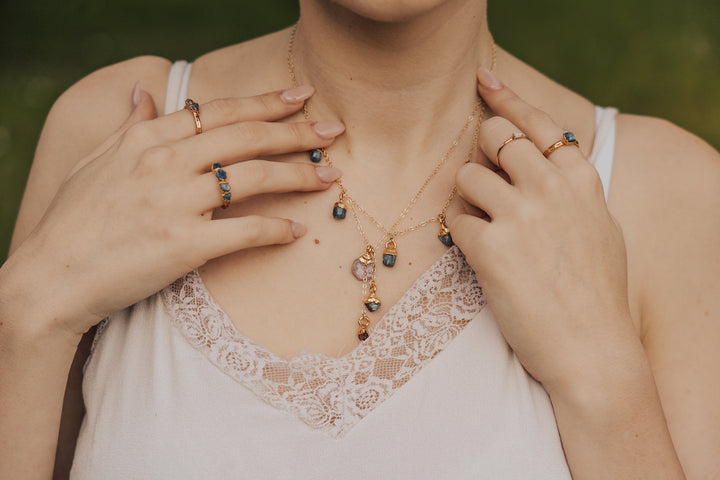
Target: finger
<point x="469" y="234"/>
<point x="226" y="111"/>
<point x="228" y="235"/>
<point x="485" y="189"/>
<point x="256" y="177"/>
<point x="248" y="140"/>
<point x="519" y="158"/>
<point x="532" y="121"/>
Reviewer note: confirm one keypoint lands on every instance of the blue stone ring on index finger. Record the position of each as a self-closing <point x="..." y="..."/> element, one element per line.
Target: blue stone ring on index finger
<point x="568" y="138"/>
<point x="221" y="176"/>
<point x="193" y="107"/>
<point x="515" y="136"/>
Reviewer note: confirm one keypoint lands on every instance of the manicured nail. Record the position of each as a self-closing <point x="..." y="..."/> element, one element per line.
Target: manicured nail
<point x="328" y="174"/>
<point x="298" y="229"/>
<point x="488" y="80"/>
<point x="297" y="94"/>
<point x="328" y="129"/>
<point x="136" y="94"/>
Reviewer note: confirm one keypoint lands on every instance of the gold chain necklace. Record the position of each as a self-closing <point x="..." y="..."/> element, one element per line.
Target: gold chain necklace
<point x="363" y="268"/>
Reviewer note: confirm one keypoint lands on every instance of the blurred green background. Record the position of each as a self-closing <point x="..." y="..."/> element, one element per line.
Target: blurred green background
<point x="654" y="57"/>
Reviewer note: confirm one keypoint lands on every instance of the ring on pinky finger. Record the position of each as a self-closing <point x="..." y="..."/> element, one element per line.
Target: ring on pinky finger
<point x="221" y="176"/>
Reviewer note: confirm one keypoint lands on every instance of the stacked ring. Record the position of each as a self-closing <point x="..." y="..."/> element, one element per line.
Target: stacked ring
<point x="568" y="138"/>
<point x="221" y="176"/>
<point x="193" y="107"/>
<point x="515" y="136"/>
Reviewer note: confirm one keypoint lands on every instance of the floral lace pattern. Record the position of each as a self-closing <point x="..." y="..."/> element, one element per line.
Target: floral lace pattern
<point x="327" y="393"/>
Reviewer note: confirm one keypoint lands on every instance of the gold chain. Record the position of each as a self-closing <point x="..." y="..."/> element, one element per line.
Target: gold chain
<point x="366" y="262"/>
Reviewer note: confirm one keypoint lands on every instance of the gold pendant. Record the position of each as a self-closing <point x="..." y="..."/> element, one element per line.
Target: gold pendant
<point x="372" y="302"/>
<point x="339" y="209"/>
<point x="364" y="266"/>
<point x="364" y="330"/>
<point x="390" y="253"/>
<point x="444" y="233"/>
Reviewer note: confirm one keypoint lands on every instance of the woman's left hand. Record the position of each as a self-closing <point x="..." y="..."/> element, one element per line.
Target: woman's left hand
<point x="551" y="260"/>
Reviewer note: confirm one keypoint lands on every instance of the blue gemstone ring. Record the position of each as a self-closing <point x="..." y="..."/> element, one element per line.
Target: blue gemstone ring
<point x="568" y="138"/>
<point x="221" y="176"/>
<point x="193" y="107"/>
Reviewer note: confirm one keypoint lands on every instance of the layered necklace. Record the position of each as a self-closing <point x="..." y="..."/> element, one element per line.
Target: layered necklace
<point x="363" y="267"/>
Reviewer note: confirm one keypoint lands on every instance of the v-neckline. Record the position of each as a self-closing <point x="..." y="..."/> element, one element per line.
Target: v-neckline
<point x="334" y="393"/>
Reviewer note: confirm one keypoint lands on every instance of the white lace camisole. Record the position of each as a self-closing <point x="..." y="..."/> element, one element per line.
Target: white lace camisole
<point x="174" y="391"/>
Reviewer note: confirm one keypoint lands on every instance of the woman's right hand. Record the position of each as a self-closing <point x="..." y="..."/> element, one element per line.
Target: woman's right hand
<point x="136" y="214"/>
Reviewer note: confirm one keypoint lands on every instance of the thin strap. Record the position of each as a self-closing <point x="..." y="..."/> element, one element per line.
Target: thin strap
<point x="603" y="151"/>
<point x="179" y="73"/>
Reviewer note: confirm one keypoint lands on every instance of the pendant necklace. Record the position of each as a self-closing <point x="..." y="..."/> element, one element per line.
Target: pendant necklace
<point x="363" y="267"/>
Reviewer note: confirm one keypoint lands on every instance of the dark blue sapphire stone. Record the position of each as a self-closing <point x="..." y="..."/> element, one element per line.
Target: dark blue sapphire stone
<point x="316" y="156"/>
<point x="339" y="213"/>
<point x="372" y="306"/>
<point x="220" y="174"/>
<point x="446" y="240"/>
<point x="570" y="137"/>
<point x="389" y="260"/>
<point x="216" y="165"/>
<point x="225" y="187"/>
<point x="227" y="197"/>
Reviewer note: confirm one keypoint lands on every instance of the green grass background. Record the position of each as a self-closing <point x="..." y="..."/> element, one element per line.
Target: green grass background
<point x="654" y="57"/>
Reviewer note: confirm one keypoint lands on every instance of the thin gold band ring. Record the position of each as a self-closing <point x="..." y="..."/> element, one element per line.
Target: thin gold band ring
<point x="515" y="136"/>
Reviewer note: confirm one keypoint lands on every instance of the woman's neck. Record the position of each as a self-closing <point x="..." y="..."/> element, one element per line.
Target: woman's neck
<point x="404" y="84"/>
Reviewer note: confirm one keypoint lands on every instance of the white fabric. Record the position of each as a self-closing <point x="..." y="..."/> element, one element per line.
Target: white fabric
<point x="174" y="391"/>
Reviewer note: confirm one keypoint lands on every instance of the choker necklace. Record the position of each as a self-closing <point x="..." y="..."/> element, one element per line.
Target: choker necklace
<point x="363" y="267"/>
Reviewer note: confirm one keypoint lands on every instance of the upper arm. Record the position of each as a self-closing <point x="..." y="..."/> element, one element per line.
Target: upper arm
<point x="79" y="121"/>
<point x="670" y="213"/>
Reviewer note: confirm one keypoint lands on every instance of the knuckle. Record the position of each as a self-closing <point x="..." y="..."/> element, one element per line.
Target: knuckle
<point x="254" y="229"/>
<point x="138" y="133"/>
<point x="156" y="160"/>
<point x="256" y="172"/>
<point x="550" y="182"/>
<point x="299" y="133"/>
<point x="305" y="174"/>
<point x="268" y="102"/>
<point x="492" y="126"/>
<point x="248" y="133"/>
<point x="536" y="116"/>
<point x="222" y="110"/>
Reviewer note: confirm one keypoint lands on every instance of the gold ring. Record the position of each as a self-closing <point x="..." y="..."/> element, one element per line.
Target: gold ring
<point x="221" y="176"/>
<point x="192" y="107"/>
<point x="515" y="136"/>
<point x="568" y="138"/>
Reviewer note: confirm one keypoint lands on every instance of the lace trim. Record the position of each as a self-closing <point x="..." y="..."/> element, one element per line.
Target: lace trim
<point x="334" y="394"/>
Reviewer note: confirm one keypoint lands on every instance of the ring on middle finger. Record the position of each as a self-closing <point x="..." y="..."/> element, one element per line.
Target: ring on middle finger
<point x="515" y="136"/>
<point x="194" y="108"/>
<point x="221" y="176"/>
<point x="568" y="138"/>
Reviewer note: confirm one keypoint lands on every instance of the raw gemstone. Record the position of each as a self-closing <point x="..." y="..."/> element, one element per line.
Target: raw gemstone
<point x="362" y="271"/>
<point x="220" y="174"/>
<point x="362" y="336"/>
<point x="316" y="156"/>
<point x="389" y="260"/>
<point x="216" y="166"/>
<point x="570" y="137"/>
<point x="339" y="212"/>
<point x="446" y="239"/>
<point x="372" y="306"/>
<point x="194" y="107"/>
<point x="225" y="187"/>
<point x="227" y="197"/>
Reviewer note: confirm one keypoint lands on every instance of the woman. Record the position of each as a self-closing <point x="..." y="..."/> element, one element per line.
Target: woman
<point x="609" y="374"/>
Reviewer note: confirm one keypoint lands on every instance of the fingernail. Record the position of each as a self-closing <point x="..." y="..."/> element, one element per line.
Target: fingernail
<point x="328" y="129"/>
<point x="297" y="94"/>
<point x="488" y="80"/>
<point x="328" y="174"/>
<point x="136" y="94"/>
<point x="298" y="229"/>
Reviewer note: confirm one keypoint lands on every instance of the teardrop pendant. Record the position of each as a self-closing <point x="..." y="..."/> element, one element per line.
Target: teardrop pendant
<point x="390" y="253"/>
<point x="339" y="209"/>
<point x="444" y="233"/>
<point x="372" y="303"/>
<point x="364" y="330"/>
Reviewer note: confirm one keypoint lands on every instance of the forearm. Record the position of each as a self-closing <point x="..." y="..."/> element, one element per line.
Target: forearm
<point x="34" y="364"/>
<point x="613" y="427"/>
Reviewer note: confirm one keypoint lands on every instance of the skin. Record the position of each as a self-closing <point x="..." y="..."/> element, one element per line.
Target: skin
<point x="612" y="307"/>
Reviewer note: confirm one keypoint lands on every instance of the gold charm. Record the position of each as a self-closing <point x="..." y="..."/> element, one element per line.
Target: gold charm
<point x="364" y="266"/>
<point x="390" y="253"/>
<point x="444" y="233"/>
<point x="372" y="303"/>
<point x="364" y="330"/>
<point x="340" y="209"/>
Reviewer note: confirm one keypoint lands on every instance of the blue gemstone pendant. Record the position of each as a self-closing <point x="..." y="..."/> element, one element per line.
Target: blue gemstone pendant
<point x="444" y="233"/>
<point x="339" y="209"/>
<point x="316" y="156"/>
<point x="390" y="253"/>
<point x="372" y="303"/>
